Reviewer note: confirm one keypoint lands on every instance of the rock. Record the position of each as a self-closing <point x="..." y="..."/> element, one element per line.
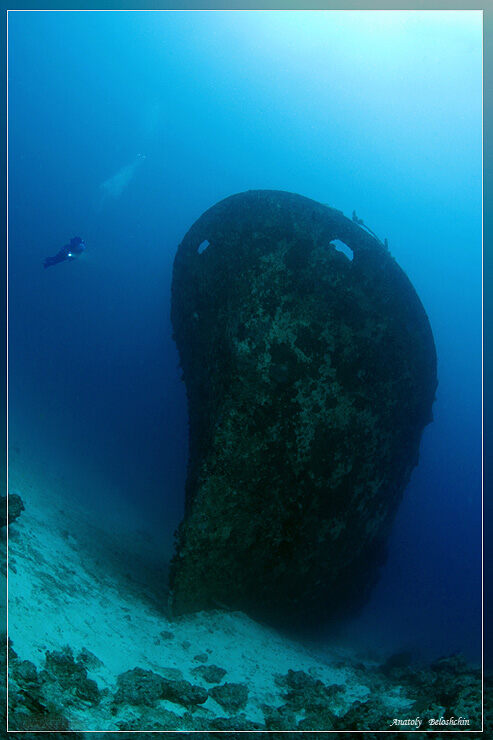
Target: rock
<point x="310" y="378"/>
<point x="16" y="507"/>
<point x="139" y="687"/>
<point x="185" y="693"/>
<point x="167" y="721"/>
<point x="240" y="723"/>
<point x="231" y="696"/>
<point x="174" y="674"/>
<point x="39" y="722"/>
<point x="279" y="718"/>
<point x="299" y="681"/>
<point x="11" y="652"/>
<point x="31" y="708"/>
<point x="25" y="672"/>
<point x="322" y="719"/>
<point x="210" y="673"/>
<point x="363" y="715"/>
<point x="454" y="665"/>
<point x="88" y="659"/>
<point x="201" y="658"/>
<point x="397" y="661"/>
<point x="449" y="683"/>
<point x="70" y="675"/>
<point x="311" y="694"/>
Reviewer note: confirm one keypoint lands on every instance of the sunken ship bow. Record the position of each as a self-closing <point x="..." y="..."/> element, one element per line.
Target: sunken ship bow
<point x="310" y="375"/>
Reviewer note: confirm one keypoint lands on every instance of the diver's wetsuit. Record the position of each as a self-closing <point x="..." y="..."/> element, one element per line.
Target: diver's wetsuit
<point x="67" y="252"/>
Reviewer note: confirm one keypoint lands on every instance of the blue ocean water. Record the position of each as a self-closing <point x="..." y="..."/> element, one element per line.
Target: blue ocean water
<point x="123" y="128"/>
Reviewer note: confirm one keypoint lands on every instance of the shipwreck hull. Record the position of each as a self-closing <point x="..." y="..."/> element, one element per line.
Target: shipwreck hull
<point x="310" y="377"/>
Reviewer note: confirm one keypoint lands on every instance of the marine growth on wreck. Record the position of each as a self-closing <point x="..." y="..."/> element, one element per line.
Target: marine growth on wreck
<point x="310" y="372"/>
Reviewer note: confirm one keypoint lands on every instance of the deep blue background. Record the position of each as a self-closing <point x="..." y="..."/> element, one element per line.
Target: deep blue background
<point x="378" y="112"/>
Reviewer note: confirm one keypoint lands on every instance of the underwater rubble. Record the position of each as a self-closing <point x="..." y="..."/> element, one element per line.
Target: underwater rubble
<point x="146" y="700"/>
<point x="310" y="374"/>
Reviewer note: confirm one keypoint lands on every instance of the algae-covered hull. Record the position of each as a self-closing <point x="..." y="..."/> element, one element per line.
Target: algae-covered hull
<point x="310" y="375"/>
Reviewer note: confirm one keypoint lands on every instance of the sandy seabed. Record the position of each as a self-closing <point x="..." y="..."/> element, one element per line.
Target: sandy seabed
<point x="93" y="647"/>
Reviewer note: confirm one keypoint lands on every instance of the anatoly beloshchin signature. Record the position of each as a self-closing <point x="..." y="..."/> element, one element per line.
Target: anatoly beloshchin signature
<point x="441" y="721"/>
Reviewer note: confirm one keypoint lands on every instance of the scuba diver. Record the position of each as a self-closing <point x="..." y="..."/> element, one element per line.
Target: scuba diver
<point x="67" y="253"/>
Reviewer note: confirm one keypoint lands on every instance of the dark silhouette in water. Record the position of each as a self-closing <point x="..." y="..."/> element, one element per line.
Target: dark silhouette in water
<point x="310" y="378"/>
<point x="67" y="253"/>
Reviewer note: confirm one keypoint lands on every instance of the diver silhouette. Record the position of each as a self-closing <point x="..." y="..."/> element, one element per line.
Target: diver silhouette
<point x="67" y="253"/>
